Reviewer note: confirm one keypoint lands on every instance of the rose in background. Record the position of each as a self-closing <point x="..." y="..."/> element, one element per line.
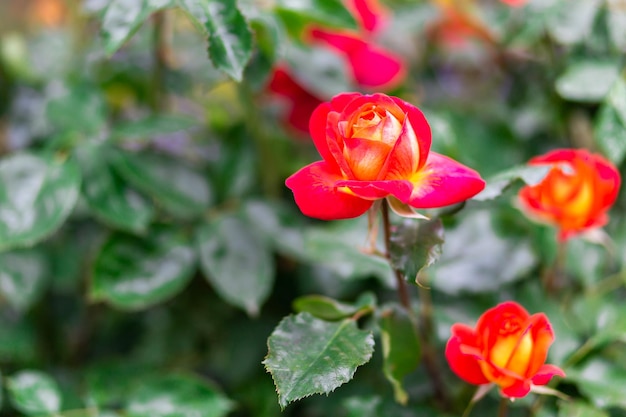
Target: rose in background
<point x="575" y="195"/>
<point x="371" y="66"/>
<point x="508" y="347"/>
<point x="376" y="146"/>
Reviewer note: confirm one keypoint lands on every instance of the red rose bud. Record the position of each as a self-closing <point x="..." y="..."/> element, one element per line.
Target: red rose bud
<point x="374" y="146"/>
<point x="576" y="193"/>
<point x="508" y="348"/>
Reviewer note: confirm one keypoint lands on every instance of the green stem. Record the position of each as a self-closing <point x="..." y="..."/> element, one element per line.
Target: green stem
<point x="426" y="319"/>
<point x="553" y="279"/>
<point x="160" y="55"/>
<point x="503" y="408"/>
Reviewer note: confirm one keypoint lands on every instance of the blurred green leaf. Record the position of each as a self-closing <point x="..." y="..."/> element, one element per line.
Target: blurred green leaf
<point x="416" y="245"/>
<point x="616" y="20"/>
<point x="136" y="273"/>
<point x="571" y="22"/>
<point x="236" y="262"/>
<point x="610" y="134"/>
<point x="37" y="194"/>
<point x="81" y="109"/>
<point x="602" y="381"/>
<point x="34" y="393"/>
<point x="363" y="407"/>
<point x="310" y="356"/>
<point x="147" y="128"/>
<point x="268" y="40"/>
<point x="230" y="38"/>
<point x="579" y="409"/>
<point x="497" y="184"/>
<point x="107" y="383"/>
<point x="401" y="348"/>
<point x="182" y="190"/>
<point x="122" y="18"/>
<point x="475" y="259"/>
<point x="587" y="81"/>
<point x="327" y="308"/>
<point x="179" y="395"/>
<point x="108" y="197"/>
<point x="327" y="12"/>
<point x="23" y="276"/>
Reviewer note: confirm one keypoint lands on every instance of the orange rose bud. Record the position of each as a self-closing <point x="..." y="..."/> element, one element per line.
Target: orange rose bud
<point x="508" y="348"/>
<point x="576" y="193"/>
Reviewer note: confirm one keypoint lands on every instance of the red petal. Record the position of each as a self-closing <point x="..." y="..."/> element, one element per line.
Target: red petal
<point x="369" y="12"/>
<point x="373" y="190"/>
<point x="316" y="194"/>
<point x="420" y="127"/>
<point x="519" y="389"/>
<point x="374" y="67"/>
<point x="545" y="374"/>
<point x="465" y="366"/>
<point x="490" y="323"/>
<point x="542" y="336"/>
<point x="443" y="181"/>
<point x="404" y="159"/>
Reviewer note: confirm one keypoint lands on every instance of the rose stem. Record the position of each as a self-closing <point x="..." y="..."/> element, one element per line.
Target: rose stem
<point x="426" y="325"/>
<point x="503" y="408"/>
<point x="553" y="278"/>
<point x="161" y="56"/>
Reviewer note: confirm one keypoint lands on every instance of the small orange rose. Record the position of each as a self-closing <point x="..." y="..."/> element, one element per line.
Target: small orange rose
<point x="575" y="195"/>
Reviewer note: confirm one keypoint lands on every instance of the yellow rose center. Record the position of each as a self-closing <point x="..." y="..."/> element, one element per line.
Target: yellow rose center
<point x="513" y="350"/>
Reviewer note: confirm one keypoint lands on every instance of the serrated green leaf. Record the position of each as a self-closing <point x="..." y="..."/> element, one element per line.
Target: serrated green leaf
<point x="310" y="356"/>
<point x="37" y="194"/>
<point x="416" y="245"/>
<point x="135" y="273"/>
<point x="122" y="18"/>
<point x="610" y="134"/>
<point x="183" y="191"/>
<point x="236" y="262"/>
<point x="34" y="393"/>
<point x="401" y="348"/>
<point x="497" y="184"/>
<point x="23" y="275"/>
<point x="587" y="81"/>
<point x="579" y="409"/>
<point x="108" y="197"/>
<point x="230" y="38"/>
<point x="327" y="308"/>
<point x="179" y="395"/>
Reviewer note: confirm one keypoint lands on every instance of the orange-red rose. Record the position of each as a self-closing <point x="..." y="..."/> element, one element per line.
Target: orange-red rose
<point x="375" y="146"/>
<point x="575" y="195"/>
<point x="508" y="348"/>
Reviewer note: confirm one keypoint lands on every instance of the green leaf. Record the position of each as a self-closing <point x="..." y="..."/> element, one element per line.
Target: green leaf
<point x="416" y="245"/>
<point x="37" y="194"/>
<point x="134" y="273"/>
<point x="610" y="133"/>
<point x="327" y="12"/>
<point x="601" y="381"/>
<point x="327" y="308"/>
<point x="147" y="128"/>
<point x="310" y="356"/>
<point x="587" y="81"/>
<point x="122" y="18"/>
<point x="617" y="98"/>
<point x="616" y="20"/>
<point x="236" y="262"/>
<point x="183" y="191"/>
<point x="34" y="393"/>
<point x="108" y="197"/>
<point x="572" y="22"/>
<point x="499" y="183"/>
<point x="178" y="395"/>
<point x="401" y="348"/>
<point x="475" y="259"/>
<point x="230" y="38"/>
<point x="81" y="109"/>
<point x="23" y="275"/>
<point x="579" y="409"/>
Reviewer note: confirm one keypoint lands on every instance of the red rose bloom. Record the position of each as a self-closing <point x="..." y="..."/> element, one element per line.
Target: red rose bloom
<point x="575" y="195"/>
<point x="508" y="347"/>
<point x="375" y="146"/>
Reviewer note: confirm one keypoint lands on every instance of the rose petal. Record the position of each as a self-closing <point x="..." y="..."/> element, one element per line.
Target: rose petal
<point x="542" y="336"/>
<point x="370" y="13"/>
<point x="371" y="190"/>
<point x="374" y="67"/>
<point x="545" y="374"/>
<point x="465" y="366"/>
<point x="316" y="194"/>
<point x="519" y="389"/>
<point x="443" y="181"/>
<point x="420" y="127"/>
